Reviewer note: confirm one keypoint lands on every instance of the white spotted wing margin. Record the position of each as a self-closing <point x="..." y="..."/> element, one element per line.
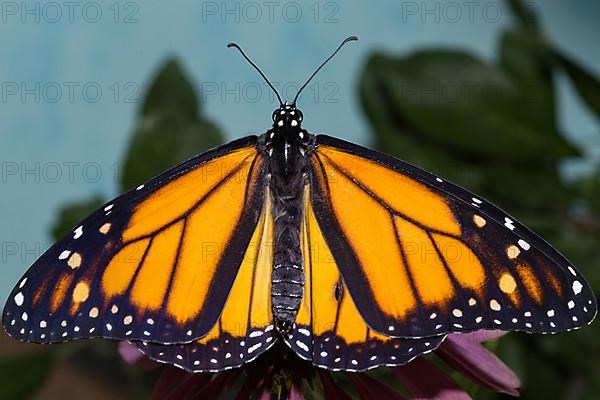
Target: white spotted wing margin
<point x="331" y="352"/>
<point x="219" y="354"/>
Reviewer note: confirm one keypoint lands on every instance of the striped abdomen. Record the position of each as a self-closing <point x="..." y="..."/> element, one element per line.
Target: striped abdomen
<point x="288" y="274"/>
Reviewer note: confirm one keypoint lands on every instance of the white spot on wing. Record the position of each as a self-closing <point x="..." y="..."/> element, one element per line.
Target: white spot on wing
<point x="64" y="255"/>
<point x="19" y="299"/>
<point x="494" y="305"/>
<point x="524" y="245"/>
<point x="301" y="345"/>
<point x="78" y="232"/>
<point x="577" y="286"/>
<point x="509" y="223"/>
<point x="304" y="331"/>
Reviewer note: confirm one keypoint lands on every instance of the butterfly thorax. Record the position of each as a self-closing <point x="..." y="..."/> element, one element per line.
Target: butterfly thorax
<point x="286" y="145"/>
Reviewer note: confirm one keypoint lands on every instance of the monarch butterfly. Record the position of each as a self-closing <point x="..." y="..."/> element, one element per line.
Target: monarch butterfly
<point x="353" y="258"/>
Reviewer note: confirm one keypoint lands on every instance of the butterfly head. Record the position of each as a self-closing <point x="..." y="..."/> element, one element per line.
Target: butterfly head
<point x="287" y="116"/>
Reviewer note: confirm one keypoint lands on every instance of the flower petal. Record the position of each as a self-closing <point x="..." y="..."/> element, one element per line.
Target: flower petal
<point x="425" y="381"/>
<point x="295" y="394"/>
<point x="132" y="355"/>
<point x="372" y="389"/>
<point x="175" y="383"/>
<point x="265" y="395"/>
<point x="331" y="389"/>
<point x="475" y="362"/>
<point x="479" y="336"/>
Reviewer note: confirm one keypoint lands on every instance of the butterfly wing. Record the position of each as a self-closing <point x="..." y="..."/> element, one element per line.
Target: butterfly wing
<point x="421" y="256"/>
<point x="245" y="329"/>
<point x="156" y="264"/>
<point x="329" y="331"/>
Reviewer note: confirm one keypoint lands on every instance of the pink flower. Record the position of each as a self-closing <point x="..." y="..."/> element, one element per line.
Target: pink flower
<point x="281" y="373"/>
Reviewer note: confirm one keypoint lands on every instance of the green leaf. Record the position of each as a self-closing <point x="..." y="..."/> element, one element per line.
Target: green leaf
<point x="171" y="91"/>
<point x="526" y="13"/>
<point x="71" y="214"/>
<point x="526" y="58"/>
<point x="169" y="140"/>
<point x="169" y="131"/>
<point x="21" y="377"/>
<point x="456" y="103"/>
<point x="586" y="84"/>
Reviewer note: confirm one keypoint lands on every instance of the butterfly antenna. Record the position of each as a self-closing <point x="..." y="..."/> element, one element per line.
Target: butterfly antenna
<point x="348" y="39"/>
<point x="258" y="69"/>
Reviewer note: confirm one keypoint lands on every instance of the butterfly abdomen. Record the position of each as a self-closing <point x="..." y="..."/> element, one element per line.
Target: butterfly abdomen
<point x="287" y="277"/>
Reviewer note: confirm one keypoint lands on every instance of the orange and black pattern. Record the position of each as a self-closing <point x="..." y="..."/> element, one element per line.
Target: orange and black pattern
<point x="156" y="264"/>
<point x="245" y="328"/>
<point x="329" y="330"/>
<point x="422" y="257"/>
<point x="393" y="259"/>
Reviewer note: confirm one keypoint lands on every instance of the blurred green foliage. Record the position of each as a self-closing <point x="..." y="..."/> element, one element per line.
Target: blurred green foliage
<point x="490" y="127"/>
<point x="21" y="376"/>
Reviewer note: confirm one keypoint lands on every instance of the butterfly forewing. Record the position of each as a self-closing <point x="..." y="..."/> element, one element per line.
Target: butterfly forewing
<point x="423" y="257"/>
<point x="128" y="270"/>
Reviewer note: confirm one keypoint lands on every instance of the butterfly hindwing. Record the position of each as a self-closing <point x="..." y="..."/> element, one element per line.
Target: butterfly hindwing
<point x="422" y="256"/>
<point x="245" y="329"/>
<point x="329" y="331"/>
<point x="127" y="271"/>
